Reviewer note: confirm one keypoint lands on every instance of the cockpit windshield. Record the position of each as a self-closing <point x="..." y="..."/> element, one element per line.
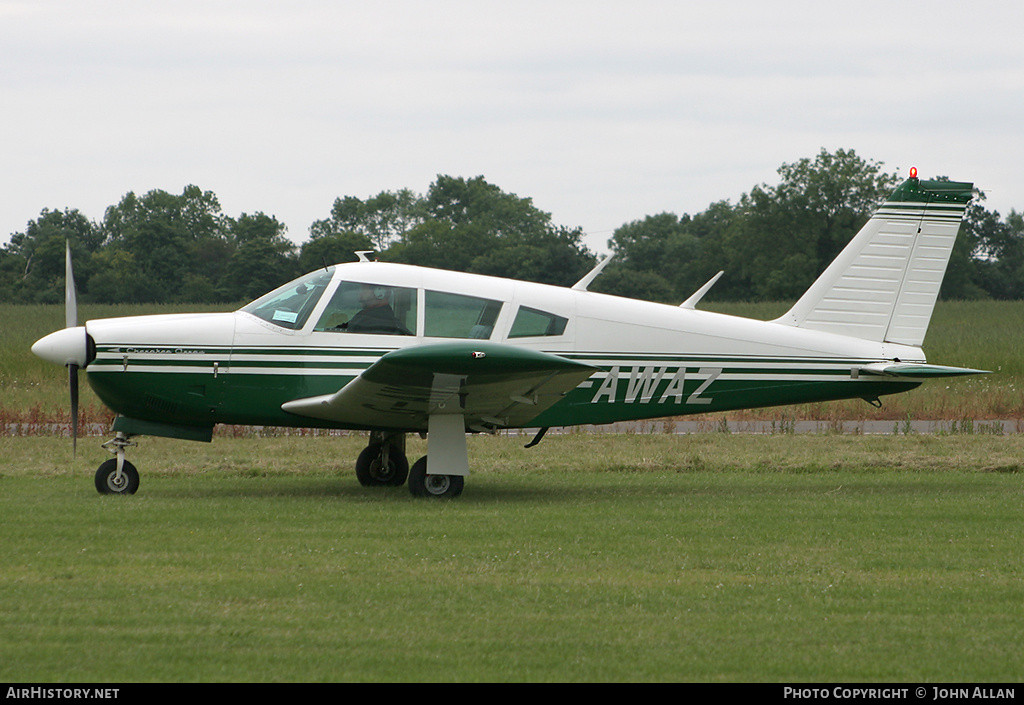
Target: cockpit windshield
<point x="289" y="306"/>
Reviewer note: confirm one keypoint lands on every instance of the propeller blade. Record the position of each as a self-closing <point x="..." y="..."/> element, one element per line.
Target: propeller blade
<point x="73" y="384"/>
<point x="71" y="321"/>
<point x="70" y="299"/>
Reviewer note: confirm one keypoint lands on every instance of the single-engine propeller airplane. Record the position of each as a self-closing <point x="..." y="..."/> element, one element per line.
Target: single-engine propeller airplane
<point x="396" y="349"/>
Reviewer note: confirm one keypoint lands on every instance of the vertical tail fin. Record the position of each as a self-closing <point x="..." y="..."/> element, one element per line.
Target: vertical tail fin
<point x="883" y="285"/>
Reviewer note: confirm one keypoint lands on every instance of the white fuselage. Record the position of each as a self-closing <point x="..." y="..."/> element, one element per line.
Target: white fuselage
<point x="650" y="359"/>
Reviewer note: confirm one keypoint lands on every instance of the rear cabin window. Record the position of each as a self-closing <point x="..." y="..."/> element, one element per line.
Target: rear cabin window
<point x="370" y="308"/>
<point x="531" y="322"/>
<point x="458" y="316"/>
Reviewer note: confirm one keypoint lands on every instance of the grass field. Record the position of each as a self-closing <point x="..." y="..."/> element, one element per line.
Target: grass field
<point x="630" y="557"/>
<point x="710" y="557"/>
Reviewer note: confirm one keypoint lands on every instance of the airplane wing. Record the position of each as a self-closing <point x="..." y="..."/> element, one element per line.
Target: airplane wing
<point x="492" y="385"/>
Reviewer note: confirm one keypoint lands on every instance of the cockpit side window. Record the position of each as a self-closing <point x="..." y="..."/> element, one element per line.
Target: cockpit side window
<point x="531" y="322"/>
<point x="457" y="316"/>
<point x="289" y="306"/>
<point x="370" y="308"/>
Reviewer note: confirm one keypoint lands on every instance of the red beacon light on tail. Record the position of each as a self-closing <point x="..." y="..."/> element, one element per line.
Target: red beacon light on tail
<point x="913" y="172"/>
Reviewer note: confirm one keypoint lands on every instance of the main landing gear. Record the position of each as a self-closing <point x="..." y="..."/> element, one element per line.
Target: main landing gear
<point x="383" y="462"/>
<point x="423" y="484"/>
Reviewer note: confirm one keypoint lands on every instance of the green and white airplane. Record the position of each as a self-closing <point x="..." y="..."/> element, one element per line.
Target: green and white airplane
<point x="396" y="349"/>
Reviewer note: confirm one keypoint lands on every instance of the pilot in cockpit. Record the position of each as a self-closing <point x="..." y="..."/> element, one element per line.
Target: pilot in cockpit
<point x="375" y="316"/>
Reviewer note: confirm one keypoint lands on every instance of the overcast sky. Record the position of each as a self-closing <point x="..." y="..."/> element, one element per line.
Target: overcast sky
<point x="601" y="112"/>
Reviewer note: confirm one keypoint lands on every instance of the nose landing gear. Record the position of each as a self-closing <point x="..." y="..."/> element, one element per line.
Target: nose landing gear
<point x="117" y="475"/>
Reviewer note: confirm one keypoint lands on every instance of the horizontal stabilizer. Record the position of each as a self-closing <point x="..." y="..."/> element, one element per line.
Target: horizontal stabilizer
<point x="883" y="286"/>
<point x="919" y="370"/>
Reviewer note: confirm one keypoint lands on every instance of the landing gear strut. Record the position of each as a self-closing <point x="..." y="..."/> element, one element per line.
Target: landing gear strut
<point x="117" y="475"/>
<point x="446" y="449"/>
<point x="383" y="463"/>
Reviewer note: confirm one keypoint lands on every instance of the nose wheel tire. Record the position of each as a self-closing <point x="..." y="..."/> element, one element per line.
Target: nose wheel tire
<point x="108" y="481"/>
<point x="422" y="484"/>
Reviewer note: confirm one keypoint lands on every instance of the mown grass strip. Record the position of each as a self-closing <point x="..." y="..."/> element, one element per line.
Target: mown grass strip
<point x="588" y="558"/>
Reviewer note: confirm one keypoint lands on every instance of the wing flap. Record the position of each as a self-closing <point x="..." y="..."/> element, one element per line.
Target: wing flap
<point x="490" y="384"/>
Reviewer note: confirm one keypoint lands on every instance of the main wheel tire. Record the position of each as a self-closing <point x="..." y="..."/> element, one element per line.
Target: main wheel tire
<point x="107" y="481"/>
<point x="371" y="472"/>
<point x="422" y="484"/>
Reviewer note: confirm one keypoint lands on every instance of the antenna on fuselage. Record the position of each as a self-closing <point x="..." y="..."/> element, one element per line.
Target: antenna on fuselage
<point x="699" y="294"/>
<point x="583" y="283"/>
<point x="363" y="255"/>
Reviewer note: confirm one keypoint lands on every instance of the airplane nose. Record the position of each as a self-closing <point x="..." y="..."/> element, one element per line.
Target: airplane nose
<point x="68" y="346"/>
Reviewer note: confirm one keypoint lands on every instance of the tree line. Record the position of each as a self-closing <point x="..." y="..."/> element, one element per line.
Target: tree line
<point x="772" y="243"/>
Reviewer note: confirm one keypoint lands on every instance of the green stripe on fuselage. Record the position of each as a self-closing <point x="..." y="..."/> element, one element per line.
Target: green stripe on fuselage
<point x="645" y="386"/>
